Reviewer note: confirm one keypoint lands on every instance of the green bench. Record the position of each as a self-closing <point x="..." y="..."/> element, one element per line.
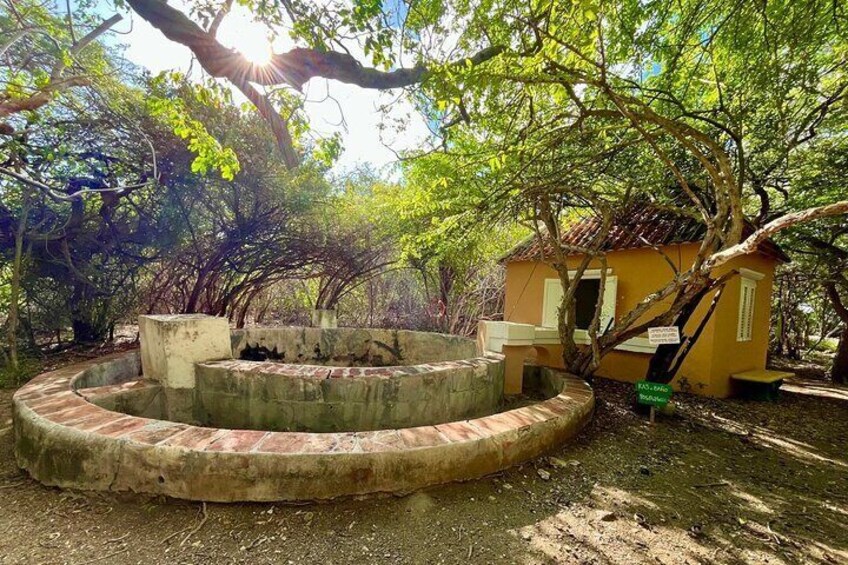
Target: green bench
<point x="760" y="384"/>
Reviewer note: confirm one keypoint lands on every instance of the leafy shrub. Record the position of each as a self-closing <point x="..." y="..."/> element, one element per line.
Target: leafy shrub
<point x="27" y="368"/>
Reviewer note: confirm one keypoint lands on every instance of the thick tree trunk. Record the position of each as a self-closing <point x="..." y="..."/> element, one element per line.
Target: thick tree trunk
<point x="87" y="326"/>
<point x="85" y="331"/>
<point x="839" y="371"/>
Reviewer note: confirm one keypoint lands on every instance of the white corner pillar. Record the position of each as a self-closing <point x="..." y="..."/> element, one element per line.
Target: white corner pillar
<point x="172" y="344"/>
<point x="324" y="319"/>
<point x="493" y="336"/>
<point x="515" y="342"/>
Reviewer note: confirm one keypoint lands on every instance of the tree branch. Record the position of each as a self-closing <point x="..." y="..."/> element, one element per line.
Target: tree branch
<point x="56" y="83"/>
<point x="62" y="197"/>
<point x="836" y="301"/>
<point x="278" y="126"/>
<point x="294" y="67"/>
<point x="750" y="244"/>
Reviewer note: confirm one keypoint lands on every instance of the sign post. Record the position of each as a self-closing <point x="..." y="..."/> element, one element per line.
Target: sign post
<point x="653" y="395"/>
<point x="657" y="394"/>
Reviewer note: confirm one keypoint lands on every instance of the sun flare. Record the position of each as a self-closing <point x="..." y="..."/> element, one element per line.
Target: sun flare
<point x="255" y="47"/>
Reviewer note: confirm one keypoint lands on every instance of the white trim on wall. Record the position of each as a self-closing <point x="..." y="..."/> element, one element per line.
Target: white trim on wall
<point x="551" y="297"/>
<point x="609" y="303"/>
<point x="550" y="336"/>
<point x="751" y="274"/>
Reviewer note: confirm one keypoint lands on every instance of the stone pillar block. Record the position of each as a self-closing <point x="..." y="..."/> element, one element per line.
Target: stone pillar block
<point x="324" y="319"/>
<point x="172" y="344"/>
<point x="514" y="357"/>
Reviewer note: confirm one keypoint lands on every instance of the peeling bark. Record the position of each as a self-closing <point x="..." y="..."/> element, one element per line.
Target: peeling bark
<point x="752" y="242"/>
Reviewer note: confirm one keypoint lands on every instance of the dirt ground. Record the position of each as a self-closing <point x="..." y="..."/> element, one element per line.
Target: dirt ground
<point x="719" y="482"/>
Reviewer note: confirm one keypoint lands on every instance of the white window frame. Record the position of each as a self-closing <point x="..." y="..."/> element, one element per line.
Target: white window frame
<point x="552" y="298"/>
<point x="747" y="304"/>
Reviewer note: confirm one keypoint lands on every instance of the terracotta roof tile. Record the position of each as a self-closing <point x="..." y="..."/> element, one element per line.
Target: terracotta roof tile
<point x="639" y="225"/>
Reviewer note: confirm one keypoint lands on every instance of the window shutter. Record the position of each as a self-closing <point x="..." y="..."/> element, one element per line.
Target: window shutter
<point x="747" y="295"/>
<point x="552" y="297"/>
<point x="550" y="302"/>
<point x="608" y="307"/>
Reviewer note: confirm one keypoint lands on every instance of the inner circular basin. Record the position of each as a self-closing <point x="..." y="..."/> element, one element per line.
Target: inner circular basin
<point x="327" y="380"/>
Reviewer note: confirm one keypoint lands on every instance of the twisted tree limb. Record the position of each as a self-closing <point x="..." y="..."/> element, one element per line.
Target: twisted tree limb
<point x="293" y="68"/>
<point x="278" y="125"/>
<point x="752" y="242"/>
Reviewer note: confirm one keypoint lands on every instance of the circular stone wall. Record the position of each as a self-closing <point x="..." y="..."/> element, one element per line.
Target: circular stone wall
<point x="308" y="398"/>
<point x="349" y="347"/>
<point x="101" y="425"/>
<point x="321" y="395"/>
<point x="330" y="380"/>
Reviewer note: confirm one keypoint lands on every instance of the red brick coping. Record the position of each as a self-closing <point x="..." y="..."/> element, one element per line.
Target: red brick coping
<point x="63" y="440"/>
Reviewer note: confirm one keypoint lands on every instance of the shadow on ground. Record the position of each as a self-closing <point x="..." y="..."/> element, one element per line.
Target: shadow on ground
<point x="720" y="482"/>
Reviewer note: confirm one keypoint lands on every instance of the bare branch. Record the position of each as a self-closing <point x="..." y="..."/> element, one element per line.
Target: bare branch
<point x="62" y="197"/>
<point x="219" y="17"/>
<point x="278" y="126"/>
<point x="70" y="17"/>
<point x="95" y="33"/>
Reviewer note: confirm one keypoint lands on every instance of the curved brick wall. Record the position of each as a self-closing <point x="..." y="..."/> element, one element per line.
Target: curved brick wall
<point x="64" y="439"/>
<point x="307" y="398"/>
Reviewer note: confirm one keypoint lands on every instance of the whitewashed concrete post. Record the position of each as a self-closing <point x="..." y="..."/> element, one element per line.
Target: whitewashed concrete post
<point x="515" y="342"/>
<point x="172" y="344"/>
<point x="324" y="319"/>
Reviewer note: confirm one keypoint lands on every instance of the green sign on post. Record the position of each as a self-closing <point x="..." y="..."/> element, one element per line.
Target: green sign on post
<point x="653" y="394"/>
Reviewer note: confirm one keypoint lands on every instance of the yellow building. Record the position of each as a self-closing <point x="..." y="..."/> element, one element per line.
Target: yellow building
<point x="640" y="251"/>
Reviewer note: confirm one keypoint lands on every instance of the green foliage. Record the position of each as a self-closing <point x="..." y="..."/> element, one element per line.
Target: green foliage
<point x="752" y="78"/>
<point x="326" y="151"/>
<point x="28" y="367"/>
<point x="210" y="154"/>
<point x="443" y="214"/>
<point x="589" y="104"/>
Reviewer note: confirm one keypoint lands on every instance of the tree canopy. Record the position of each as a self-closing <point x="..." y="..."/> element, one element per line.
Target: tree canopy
<point x="124" y="191"/>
